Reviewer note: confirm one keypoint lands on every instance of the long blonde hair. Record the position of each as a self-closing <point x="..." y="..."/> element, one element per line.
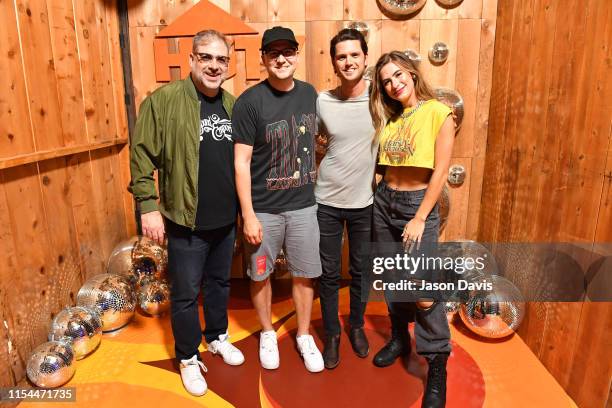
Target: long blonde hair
<point x="382" y="107"/>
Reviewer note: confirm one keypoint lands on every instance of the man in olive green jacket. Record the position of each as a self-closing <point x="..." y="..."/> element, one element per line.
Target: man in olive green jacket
<point x="184" y="132"/>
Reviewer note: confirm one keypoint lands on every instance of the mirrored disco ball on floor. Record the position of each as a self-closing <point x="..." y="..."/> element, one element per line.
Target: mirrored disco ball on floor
<point x="112" y="296"/>
<point x="137" y="258"/>
<point x="496" y="313"/>
<point x="82" y="325"/>
<point x="51" y="364"/>
<point x="154" y="297"/>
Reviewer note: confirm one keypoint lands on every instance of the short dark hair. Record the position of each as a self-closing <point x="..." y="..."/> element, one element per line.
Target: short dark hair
<point x="347" y="34"/>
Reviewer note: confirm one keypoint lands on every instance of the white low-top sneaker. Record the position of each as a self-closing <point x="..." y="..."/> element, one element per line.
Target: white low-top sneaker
<point x="313" y="360"/>
<point x="231" y="355"/>
<point x="268" y="350"/>
<point x="192" y="377"/>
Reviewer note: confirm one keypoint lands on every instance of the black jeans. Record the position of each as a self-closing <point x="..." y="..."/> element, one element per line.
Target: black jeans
<point x="392" y="210"/>
<point x="331" y="225"/>
<point x="198" y="260"/>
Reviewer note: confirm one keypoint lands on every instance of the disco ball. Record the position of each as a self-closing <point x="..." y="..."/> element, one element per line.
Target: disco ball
<point x="402" y="7"/>
<point x="51" y="364"/>
<point x="438" y="54"/>
<point x="454" y="101"/>
<point x="361" y="27"/>
<point x="496" y="313"/>
<point x="450" y="309"/>
<point x="154" y="297"/>
<point x="368" y="74"/>
<point x="413" y="56"/>
<point x="82" y="325"/>
<point x="137" y="258"/>
<point x="113" y="296"/>
<point x="444" y="206"/>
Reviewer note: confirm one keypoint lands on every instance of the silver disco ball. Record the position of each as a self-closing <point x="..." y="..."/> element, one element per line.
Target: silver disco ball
<point x="413" y="56"/>
<point x="453" y="100"/>
<point x="137" y="258"/>
<point x="444" y="206"/>
<point x="154" y="297"/>
<point x="112" y="296"/>
<point x="361" y="27"/>
<point x="496" y="313"/>
<point x="51" y="364"/>
<point x="451" y="309"/>
<point x="82" y="325"/>
<point x="438" y="54"/>
<point x="402" y="7"/>
<point x="368" y="74"/>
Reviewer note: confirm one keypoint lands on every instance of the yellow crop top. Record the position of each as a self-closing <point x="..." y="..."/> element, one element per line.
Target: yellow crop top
<point x="410" y="139"/>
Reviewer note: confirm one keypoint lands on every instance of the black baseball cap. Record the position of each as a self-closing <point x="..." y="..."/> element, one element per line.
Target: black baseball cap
<point x="277" y="33"/>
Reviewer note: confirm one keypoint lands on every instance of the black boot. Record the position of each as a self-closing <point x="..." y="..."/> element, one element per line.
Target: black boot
<point x="331" y="352"/>
<point x="435" y="392"/>
<point x="359" y="341"/>
<point x="398" y="345"/>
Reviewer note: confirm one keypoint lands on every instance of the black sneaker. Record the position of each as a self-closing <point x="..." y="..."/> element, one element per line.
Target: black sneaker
<point x="435" y="391"/>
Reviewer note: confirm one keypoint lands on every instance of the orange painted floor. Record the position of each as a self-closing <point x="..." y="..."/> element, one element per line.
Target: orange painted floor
<point x="134" y="368"/>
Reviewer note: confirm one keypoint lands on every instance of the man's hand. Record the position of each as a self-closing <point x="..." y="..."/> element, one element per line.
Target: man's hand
<point x="153" y="226"/>
<point x="252" y="230"/>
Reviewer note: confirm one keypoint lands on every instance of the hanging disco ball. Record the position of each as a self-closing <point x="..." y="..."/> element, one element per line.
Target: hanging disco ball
<point x="51" y="364"/>
<point x="453" y="100"/>
<point x="401" y="7"/>
<point x="137" y="258"/>
<point x="112" y="296"/>
<point x="154" y="297"/>
<point x="361" y="27"/>
<point x="413" y="56"/>
<point x="496" y="313"/>
<point x="368" y="74"/>
<point x="82" y="325"/>
<point x="438" y="54"/>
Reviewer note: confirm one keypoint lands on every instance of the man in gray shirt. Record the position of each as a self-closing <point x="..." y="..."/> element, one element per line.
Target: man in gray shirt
<point x="344" y="188"/>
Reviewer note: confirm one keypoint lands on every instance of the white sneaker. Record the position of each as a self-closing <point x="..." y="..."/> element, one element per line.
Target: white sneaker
<point x="192" y="377"/>
<point x="231" y="355"/>
<point x="313" y="360"/>
<point x="268" y="350"/>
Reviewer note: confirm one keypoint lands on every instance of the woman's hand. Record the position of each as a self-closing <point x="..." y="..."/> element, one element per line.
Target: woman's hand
<point x="413" y="232"/>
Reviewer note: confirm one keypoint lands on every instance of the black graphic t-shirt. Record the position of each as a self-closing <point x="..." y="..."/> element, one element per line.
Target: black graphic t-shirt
<point x="281" y="127"/>
<point x="217" y="200"/>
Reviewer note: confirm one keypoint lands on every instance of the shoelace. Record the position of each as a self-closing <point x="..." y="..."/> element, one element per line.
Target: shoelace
<point x="226" y="346"/>
<point x="308" y="346"/>
<point x="193" y="361"/>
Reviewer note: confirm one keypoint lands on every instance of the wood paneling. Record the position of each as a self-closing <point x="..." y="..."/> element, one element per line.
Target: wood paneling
<point x="547" y="171"/>
<point x="63" y="203"/>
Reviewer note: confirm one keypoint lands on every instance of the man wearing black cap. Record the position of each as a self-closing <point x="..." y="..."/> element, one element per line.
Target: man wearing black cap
<point x="274" y="125"/>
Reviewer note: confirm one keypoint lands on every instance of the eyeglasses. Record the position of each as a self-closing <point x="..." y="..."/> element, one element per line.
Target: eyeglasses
<point x="206" y="59"/>
<point x="288" y="53"/>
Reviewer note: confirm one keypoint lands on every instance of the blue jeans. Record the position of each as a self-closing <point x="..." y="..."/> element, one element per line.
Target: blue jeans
<point x="392" y="210"/>
<point x="331" y="225"/>
<point x="198" y="260"/>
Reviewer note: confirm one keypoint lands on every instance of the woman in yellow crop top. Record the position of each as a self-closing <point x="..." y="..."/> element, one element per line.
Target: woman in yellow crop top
<point x="415" y="134"/>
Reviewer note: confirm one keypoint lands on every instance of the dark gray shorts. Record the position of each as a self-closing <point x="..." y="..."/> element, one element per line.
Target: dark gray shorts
<point x="298" y="230"/>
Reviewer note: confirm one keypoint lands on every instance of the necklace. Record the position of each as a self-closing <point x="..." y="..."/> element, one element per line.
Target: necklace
<point x="406" y="115"/>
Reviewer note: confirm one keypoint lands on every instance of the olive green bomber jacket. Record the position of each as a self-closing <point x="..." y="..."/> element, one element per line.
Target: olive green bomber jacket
<point x="167" y="138"/>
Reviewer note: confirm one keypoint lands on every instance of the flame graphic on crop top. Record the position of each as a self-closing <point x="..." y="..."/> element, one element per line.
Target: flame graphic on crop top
<point x="410" y="139"/>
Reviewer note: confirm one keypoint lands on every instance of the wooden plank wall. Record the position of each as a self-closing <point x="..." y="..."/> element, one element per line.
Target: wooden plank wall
<point x="550" y="129"/>
<point x="63" y="132"/>
<point x="468" y="29"/>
